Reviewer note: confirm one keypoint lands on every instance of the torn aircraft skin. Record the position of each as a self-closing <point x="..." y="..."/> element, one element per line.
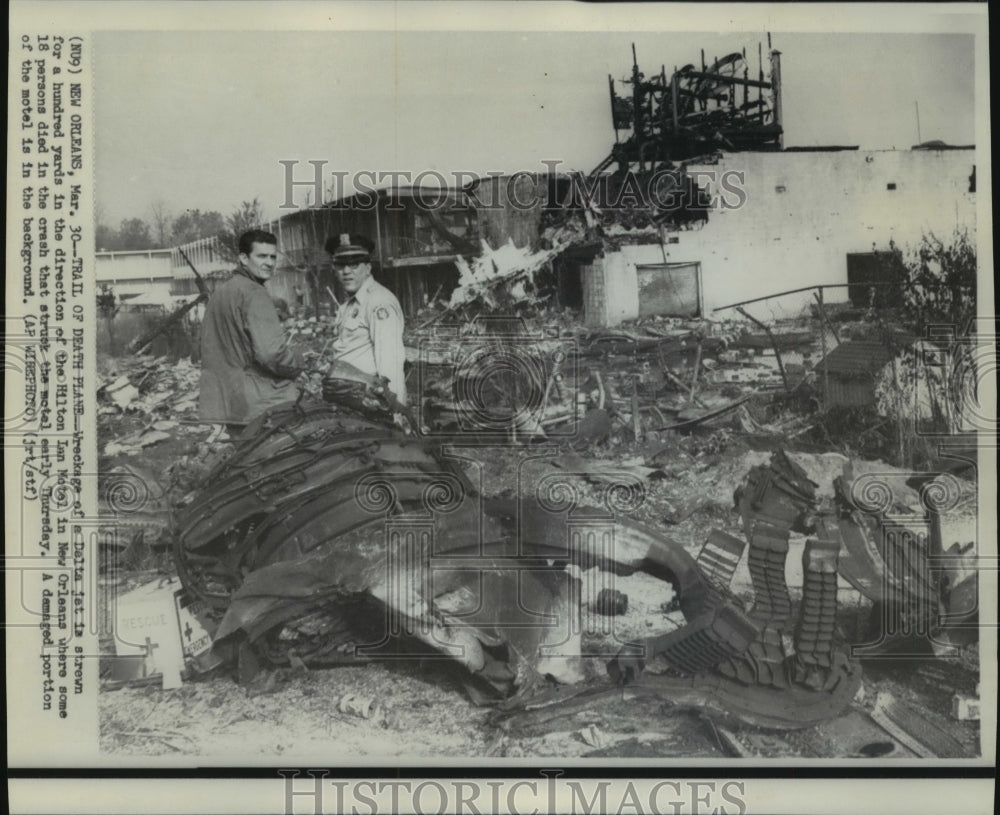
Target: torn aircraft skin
<point x="328" y="537"/>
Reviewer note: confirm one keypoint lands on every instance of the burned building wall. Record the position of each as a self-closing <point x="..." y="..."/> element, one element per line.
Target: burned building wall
<point x="416" y="236"/>
<point x="510" y="208"/>
<point x="803" y="213"/>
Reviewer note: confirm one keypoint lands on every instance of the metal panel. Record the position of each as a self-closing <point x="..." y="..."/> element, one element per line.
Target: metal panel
<point x="669" y="289"/>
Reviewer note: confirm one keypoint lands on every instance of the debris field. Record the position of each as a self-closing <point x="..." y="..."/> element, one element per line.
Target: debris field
<point x="717" y="626"/>
<point x="677" y="537"/>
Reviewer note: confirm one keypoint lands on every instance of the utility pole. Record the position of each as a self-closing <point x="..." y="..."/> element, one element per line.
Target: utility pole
<point x="917" y="106"/>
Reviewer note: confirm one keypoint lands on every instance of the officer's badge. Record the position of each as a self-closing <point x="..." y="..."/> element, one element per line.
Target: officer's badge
<point x="382" y="313"/>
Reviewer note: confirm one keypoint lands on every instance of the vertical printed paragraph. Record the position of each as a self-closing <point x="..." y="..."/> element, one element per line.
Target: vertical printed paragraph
<point x="48" y="419"/>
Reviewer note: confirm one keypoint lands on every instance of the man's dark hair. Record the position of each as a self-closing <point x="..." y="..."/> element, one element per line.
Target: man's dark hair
<point x="248" y="239"/>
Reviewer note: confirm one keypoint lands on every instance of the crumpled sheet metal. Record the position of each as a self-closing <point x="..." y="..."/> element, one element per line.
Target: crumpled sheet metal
<point x="491" y="544"/>
<point x="890" y="554"/>
<point x="303" y="476"/>
<point x="393" y="543"/>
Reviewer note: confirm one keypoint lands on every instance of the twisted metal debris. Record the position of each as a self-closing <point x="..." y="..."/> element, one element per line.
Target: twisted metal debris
<point x="328" y="537"/>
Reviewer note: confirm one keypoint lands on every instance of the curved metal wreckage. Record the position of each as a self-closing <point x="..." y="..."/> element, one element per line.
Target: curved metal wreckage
<point x="330" y="538"/>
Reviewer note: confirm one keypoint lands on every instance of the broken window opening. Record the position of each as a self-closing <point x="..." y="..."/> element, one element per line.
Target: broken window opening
<point x="669" y="289"/>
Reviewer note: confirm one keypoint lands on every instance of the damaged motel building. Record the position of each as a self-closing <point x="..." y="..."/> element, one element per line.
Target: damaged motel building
<point x="693" y="210"/>
<point x="326" y="535"/>
<point x="795" y="218"/>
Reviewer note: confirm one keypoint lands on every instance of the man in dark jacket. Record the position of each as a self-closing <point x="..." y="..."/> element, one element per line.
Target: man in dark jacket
<point x="247" y="364"/>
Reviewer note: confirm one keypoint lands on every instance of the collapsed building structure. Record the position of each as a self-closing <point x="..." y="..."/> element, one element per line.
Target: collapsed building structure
<point x="696" y="112"/>
<point x="696" y="206"/>
<point x="730" y="221"/>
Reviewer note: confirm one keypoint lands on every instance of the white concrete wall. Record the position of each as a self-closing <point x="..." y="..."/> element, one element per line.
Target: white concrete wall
<point x="159" y="289"/>
<point x="833" y="203"/>
<point x="130" y="273"/>
<point x="622" y="285"/>
<point x="121" y="266"/>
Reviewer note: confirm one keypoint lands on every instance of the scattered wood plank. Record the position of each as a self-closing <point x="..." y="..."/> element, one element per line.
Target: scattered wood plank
<point x="774" y="345"/>
<point x="914" y="730"/>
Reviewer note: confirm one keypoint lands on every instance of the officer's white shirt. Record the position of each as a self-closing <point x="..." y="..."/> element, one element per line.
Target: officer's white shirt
<point x="370" y="335"/>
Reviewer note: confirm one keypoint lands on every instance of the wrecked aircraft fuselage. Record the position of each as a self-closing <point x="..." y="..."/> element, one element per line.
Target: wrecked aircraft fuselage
<point x="330" y="538"/>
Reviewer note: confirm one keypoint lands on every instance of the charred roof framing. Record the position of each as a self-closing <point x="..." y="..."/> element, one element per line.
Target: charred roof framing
<point x="694" y="112"/>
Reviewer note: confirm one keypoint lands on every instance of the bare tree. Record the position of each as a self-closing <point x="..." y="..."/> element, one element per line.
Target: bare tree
<point x="193" y="224"/>
<point x="162" y="220"/>
<point x="248" y="215"/>
<point x="105" y="237"/>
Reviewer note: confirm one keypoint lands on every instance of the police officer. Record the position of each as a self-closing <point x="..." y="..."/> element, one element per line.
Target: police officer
<point x="370" y="324"/>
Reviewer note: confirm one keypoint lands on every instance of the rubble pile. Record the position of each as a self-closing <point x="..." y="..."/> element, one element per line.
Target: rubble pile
<point x="649" y="378"/>
<point x="154" y="449"/>
<point x="537" y="374"/>
<point x="285" y="538"/>
<point x="257" y="545"/>
<point x="310" y="330"/>
<point x="150" y="396"/>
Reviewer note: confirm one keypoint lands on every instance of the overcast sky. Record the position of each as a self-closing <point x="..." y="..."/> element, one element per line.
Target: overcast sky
<point x="201" y="119"/>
